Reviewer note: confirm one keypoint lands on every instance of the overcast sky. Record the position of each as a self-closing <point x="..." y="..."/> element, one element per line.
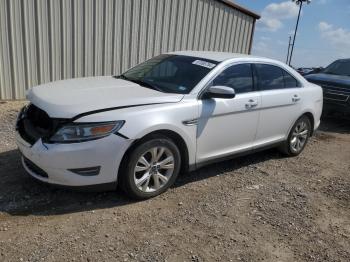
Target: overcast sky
<point x="323" y="34"/>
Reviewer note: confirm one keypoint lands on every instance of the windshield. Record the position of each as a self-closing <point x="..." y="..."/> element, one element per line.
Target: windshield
<point x="340" y="67"/>
<point x="170" y="73"/>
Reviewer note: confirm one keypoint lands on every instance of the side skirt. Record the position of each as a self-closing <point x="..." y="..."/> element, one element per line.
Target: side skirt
<point x="235" y="155"/>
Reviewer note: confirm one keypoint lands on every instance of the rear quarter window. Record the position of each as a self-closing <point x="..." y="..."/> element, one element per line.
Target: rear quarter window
<point x="289" y="80"/>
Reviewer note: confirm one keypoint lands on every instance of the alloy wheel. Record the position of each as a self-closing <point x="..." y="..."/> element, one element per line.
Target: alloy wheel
<point x="299" y="136"/>
<point x="154" y="169"/>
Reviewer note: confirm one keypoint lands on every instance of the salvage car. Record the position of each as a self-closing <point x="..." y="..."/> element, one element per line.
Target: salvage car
<point x="335" y="81"/>
<point x="173" y="113"/>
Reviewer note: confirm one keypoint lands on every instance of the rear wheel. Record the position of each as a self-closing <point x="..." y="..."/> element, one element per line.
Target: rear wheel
<point x="298" y="137"/>
<point x="151" y="168"/>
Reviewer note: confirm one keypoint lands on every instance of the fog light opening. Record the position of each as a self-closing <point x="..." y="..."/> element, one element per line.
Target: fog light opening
<point x="86" y="171"/>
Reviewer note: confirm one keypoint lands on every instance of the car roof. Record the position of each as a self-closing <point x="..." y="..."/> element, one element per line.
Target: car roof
<point x="344" y="60"/>
<point x="216" y="56"/>
<point x="225" y="56"/>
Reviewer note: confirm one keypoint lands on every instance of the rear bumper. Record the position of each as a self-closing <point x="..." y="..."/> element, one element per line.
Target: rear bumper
<point x="55" y="160"/>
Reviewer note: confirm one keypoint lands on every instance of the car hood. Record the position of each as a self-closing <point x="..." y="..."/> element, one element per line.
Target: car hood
<point x="329" y="79"/>
<point x="69" y="98"/>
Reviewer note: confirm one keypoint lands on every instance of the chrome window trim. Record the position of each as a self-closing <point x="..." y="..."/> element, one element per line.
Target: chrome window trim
<point x="225" y="64"/>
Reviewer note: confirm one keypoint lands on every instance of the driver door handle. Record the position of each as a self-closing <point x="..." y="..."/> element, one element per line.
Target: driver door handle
<point x="295" y="98"/>
<point x="251" y="104"/>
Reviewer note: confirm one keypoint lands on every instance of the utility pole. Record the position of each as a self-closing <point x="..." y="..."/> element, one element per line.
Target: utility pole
<point x="300" y="3"/>
<point x="290" y="39"/>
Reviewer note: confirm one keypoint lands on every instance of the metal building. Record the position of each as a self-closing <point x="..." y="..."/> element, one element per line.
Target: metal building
<point x="48" y="40"/>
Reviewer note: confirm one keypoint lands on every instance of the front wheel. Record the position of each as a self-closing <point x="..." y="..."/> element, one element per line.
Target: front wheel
<point x="151" y="168"/>
<point x="298" y="137"/>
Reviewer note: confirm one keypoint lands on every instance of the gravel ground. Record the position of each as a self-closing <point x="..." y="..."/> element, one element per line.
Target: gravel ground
<point x="259" y="208"/>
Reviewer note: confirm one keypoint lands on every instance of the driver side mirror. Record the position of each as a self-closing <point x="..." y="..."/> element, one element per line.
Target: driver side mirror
<point x="219" y="92"/>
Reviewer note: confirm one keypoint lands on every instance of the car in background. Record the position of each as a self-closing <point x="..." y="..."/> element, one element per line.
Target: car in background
<point x="177" y="111"/>
<point x="335" y="81"/>
<point x="316" y="70"/>
<point x="304" y="71"/>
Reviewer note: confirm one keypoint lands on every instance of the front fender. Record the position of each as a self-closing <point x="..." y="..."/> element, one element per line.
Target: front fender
<point x="141" y="121"/>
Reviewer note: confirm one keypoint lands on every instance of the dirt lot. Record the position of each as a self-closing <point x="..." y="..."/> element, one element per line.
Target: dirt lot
<point x="259" y="208"/>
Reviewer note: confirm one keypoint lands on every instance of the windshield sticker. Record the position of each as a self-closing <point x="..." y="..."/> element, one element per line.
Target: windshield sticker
<point x="182" y="88"/>
<point x="204" y="64"/>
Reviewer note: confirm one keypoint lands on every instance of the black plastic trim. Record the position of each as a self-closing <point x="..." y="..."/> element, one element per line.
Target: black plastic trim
<point x="86" y="171"/>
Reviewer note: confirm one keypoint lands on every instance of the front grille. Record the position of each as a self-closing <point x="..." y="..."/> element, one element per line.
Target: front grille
<point x="335" y="93"/>
<point x="34" y="168"/>
<point x="335" y="96"/>
<point x="34" y="123"/>
<point x="338" y="88"/>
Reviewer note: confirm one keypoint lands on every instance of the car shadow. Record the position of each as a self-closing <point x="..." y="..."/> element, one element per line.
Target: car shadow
<point x="227" y="166"/>
<point x="21" y="195"/>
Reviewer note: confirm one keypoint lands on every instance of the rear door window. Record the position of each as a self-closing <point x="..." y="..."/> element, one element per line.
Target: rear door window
<point x="272" y="77"/>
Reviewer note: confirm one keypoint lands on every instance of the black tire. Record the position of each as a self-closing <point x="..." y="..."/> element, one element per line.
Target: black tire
<point x="126" y="177"/>
<point x="288" y="148"/>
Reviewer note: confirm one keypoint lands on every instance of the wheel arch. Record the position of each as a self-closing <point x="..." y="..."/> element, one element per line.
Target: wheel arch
<point x="170" y="134"/>
<point x="311" y="117"/>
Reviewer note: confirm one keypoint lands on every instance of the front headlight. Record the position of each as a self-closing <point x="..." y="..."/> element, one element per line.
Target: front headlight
<point x="79" y="132"/>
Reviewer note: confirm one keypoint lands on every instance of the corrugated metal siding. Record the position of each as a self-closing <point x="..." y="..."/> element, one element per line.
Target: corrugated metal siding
<point x="48" y="40"/>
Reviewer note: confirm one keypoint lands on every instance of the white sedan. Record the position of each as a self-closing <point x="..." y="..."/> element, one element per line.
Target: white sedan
<point x="175" y="112"/>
